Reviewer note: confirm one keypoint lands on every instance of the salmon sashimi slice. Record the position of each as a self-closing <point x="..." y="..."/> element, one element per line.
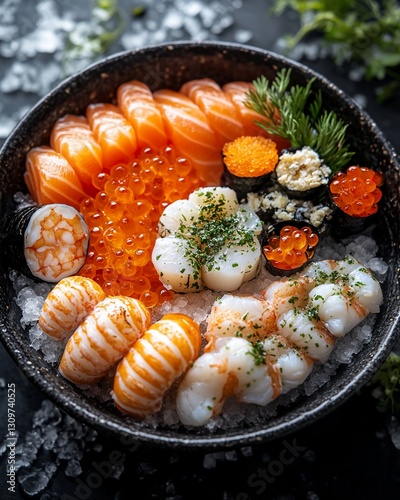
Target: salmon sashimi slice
<point x="237" y="91"/>
<point x="136" y="102"/>
<point x="113" y="132"/>
<point x="51" y="179"/>
<point x="189" y="131"/>
<point x="221" y="113"/>
<point x="72" y="137"/>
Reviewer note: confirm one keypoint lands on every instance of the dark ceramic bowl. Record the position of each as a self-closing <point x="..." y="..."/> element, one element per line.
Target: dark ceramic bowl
<point x="169" y="66"/>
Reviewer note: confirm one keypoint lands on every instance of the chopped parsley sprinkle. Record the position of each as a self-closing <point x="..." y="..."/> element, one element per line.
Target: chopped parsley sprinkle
<point x="258" y="352"/>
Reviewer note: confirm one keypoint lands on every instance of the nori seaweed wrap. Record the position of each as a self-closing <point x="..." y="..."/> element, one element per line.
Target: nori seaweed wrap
<point x="289" y="246"/>
<point x="248" y="164"/>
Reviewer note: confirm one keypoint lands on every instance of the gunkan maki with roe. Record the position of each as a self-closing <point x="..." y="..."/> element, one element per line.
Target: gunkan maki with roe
<point x="354" y="194"/>
<point x="46" y="243"/>
<point x="289" y="246"/>
<point x="248" y="164"/>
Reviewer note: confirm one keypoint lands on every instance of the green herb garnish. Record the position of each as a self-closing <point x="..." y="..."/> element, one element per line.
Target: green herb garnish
<point x="295" y="113"/>
<point x="387" y="383"/>
<point x="258" y="352"/>
<point x="366" y="32"/>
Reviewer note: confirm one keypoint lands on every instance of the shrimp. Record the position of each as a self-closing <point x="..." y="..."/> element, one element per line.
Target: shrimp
<point x="68" y="304"/>
<point x="103" y="338"/>
<point x="293" y="364"/>
<point x="154" y="362"/>
<point x="307" y="334"/>
<point x="234" y="367"/>
<point x="339" y="312"/>
<point x="345" y="293"/>
<point x="237" y="316"/>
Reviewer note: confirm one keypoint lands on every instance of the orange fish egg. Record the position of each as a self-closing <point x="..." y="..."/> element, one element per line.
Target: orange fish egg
<point x="154" y="362"/>
<point x="237" y="91"/>
<point x="292" y="248"/>
<point x="68" y="304"/>
<point x="103" y="338"/>
<point x="356" y="191"/>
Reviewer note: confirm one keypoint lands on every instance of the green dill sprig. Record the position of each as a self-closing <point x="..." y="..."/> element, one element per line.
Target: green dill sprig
<point x="295" y="113"/>
<point x="387" y="383"/>
<point x="365" y="32"/>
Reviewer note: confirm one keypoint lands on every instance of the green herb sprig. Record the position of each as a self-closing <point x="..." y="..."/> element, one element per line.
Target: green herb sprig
<point x="94" y="38"/>
<point x="366" y="32"/>
<point x="296" y="113"/>
<point x="386" y="383"/>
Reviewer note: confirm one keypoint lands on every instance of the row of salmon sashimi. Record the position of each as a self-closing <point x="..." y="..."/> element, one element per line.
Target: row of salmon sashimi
<point x="197" y="120"/>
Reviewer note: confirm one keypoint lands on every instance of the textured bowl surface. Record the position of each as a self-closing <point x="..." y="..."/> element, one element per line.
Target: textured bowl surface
<point x="169" y="66"/>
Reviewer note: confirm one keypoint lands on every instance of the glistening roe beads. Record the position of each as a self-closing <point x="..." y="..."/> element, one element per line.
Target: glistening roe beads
<point x="122" y="220"/>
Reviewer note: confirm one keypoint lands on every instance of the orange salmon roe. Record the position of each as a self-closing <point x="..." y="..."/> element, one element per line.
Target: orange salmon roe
<point x="292" y="248"/>
<point x="356" y="191"/>
<point x="122" y="219"/>
<point x="249" y="156"/>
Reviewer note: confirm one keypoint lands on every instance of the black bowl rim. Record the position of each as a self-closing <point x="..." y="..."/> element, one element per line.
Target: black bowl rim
<point x="92" y="416"/>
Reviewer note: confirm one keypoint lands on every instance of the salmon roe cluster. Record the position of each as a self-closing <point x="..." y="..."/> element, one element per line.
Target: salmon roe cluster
<point x="292" y="248"/>
<point x="356" y="191"/>
<point x="249" y="156"/>
<point x="122" y="219"/>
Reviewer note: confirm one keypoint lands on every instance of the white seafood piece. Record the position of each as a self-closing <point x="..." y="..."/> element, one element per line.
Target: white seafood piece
<point x="173" y="260"/>
<point x="68" y="304"/>
<point x="310" y="336"/>
<point x="287" y="293"/>
<point x="208" y="198"/>
<point x="249" y="219"/>
<point x="233" y="266"/>
<point x="319" y="271"/>
<point x="237" y="316"/>
<point x="338" y="311"/>
<point x="177" y="216"/>
<point x="293" y="365"/>
<point x="367" y="289"/>
<point x="230" y="369"/>
<point x="103" y="338"/>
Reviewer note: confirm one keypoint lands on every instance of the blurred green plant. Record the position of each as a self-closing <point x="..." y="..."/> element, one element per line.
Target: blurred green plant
<point x="92" y="39"/>
<point x="386" y="384"/>
<point x="366" y="32"/>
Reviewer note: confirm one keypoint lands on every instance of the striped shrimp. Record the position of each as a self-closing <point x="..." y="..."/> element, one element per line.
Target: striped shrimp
<point x="68" y="304"/>
<point x="103" y="338"/>
<point x="235" y="367"/>
<point x="155" y="361"/>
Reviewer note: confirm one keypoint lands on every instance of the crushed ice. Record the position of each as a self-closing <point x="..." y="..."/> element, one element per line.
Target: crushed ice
<point x="55" y="440"/>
